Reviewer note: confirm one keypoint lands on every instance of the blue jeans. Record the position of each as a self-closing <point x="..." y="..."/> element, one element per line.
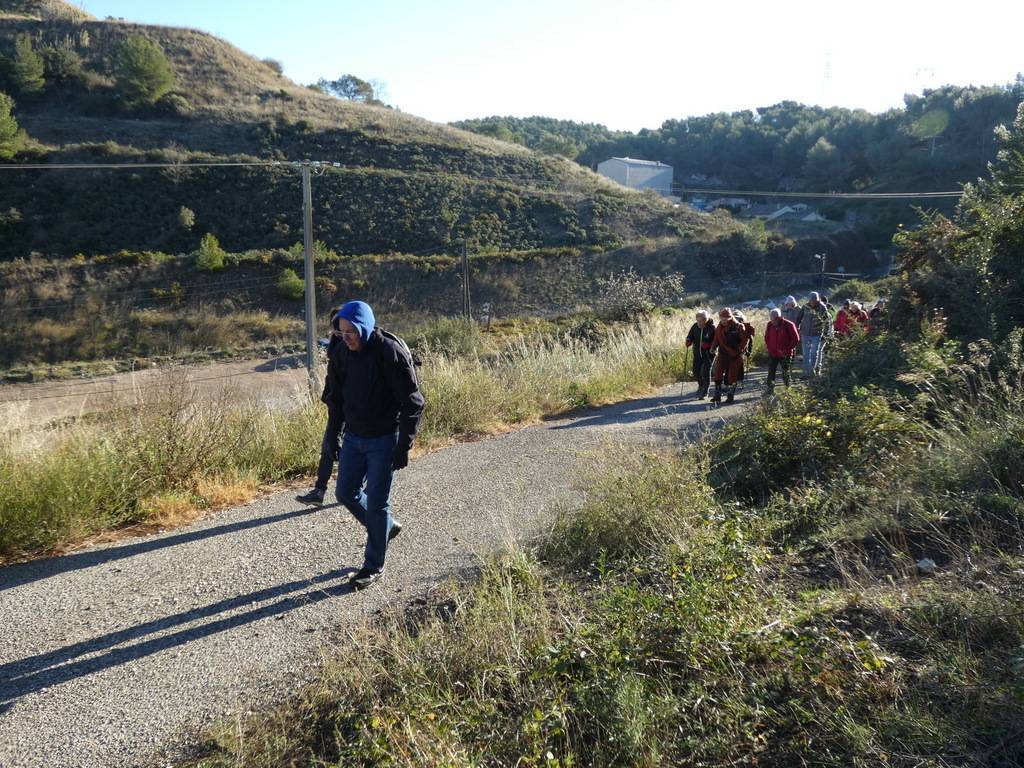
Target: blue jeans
<point x="812" y="351"/>
<point x="364" y="488"/>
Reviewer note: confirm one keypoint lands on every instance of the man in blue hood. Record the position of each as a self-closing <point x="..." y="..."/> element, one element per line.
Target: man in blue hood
<point x="372" y="383"/>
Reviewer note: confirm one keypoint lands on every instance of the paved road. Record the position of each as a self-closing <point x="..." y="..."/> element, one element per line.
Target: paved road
<point x="109" y="654"/>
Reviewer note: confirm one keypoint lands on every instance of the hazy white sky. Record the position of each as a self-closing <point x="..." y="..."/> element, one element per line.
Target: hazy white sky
<point x="628" y="64"/>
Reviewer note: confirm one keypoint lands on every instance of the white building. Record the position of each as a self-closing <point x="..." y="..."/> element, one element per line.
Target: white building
<point x="638" y="174"/>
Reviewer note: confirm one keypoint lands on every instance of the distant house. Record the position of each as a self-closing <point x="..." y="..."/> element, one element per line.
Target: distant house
<point x="779" y="212"/>
<point x="638" y="174"/>
<point x="732" y="203"/>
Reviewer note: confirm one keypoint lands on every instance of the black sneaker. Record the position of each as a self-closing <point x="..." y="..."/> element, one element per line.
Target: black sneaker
<point x="396" y="528"/>
<point x="316" y="496"/>
<point x="364" y="578"/>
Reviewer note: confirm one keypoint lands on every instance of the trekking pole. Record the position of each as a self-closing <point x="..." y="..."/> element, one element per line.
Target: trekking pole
<point x="686" y="364"/>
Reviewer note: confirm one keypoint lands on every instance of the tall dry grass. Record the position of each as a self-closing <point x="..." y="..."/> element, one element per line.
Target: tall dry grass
<point x="178" y="450"/>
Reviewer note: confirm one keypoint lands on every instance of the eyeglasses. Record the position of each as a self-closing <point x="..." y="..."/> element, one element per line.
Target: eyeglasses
<point x="345" y="334"/>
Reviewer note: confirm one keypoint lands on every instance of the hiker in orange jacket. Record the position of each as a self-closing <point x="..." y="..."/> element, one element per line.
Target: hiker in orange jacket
<point x="731" y="339"/>
<point x="780" y="338"/>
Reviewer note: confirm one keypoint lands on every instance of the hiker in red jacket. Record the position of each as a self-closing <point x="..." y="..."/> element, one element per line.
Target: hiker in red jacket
<point x="858" y="318"/>
<point x="781" y="338"/>
<point x="842" y="322"/>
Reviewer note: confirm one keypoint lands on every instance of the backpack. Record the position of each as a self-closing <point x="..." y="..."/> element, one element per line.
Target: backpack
<point x="416" y="362"/>
<point x="733" y="337"/>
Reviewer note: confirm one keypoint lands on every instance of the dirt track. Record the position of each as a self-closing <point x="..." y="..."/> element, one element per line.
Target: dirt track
<point x="44" y="403"/>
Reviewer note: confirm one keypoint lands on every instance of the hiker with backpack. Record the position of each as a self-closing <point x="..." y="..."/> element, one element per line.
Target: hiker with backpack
<point x="815" y="326"/>
<point x="731" y="339"/>
<point x="748" y="352"/>
<point x="372" y="383"/>
<point x="702" y="337"/>
<point x="780" y="337"/>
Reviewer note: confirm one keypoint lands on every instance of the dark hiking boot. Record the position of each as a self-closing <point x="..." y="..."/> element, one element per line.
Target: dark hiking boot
<point x="316" y="496"/>
<point x="730" y="396"/>
<point x="396" y="528"/>
<point x="364" y="577"/>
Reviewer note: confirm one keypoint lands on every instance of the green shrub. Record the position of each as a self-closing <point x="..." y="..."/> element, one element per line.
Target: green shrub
<point x="855" y="290"/>
<point x="63" y="64"/>
<point x="174" y="104"/>
<point x="290" y="285"/>
<point x="796" y="438"/>
<point x="186" y="218"/>
<point x="210" y="256"/>
<point x="12" y="138"/>
<point x="143" y="72"/>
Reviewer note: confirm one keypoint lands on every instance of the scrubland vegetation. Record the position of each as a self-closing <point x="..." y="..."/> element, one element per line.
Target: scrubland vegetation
<point x="175" y="453"/>
<point x="835" y="578"/>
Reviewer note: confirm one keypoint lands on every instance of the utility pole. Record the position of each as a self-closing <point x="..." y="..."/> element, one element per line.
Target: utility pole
<point x="821" y="280"/>
<point x="307" y="240"/>
<point x="467" y="309"/>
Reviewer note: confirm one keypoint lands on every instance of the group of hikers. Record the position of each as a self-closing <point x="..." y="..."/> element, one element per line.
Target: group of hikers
<point x="720" y="352"/>
<point x="374" y="403"/>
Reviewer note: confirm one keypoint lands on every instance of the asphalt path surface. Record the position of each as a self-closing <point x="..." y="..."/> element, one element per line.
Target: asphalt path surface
<point x="111" y="654"/>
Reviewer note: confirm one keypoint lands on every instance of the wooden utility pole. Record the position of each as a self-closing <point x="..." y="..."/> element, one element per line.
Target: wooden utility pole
<point x="467" y="307"/>
<point x="307" y="241"/>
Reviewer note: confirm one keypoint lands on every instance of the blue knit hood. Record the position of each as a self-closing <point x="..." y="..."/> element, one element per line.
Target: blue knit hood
<point x="361" y="316"/>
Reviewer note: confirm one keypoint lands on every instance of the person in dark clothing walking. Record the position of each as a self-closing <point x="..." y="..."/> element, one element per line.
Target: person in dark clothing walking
<point x="701" y="337"/>
<point x="373" y="385"/>
<point x="329" y="445"/>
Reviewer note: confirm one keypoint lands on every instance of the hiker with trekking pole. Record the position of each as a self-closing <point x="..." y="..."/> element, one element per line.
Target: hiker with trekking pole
<point x="701" y="337"/>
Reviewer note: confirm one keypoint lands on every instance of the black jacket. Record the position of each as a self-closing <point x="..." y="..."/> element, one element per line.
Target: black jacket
<point x="702" y="339"/>
<point x="375" y="389"/>
<point x="325" y="396"/>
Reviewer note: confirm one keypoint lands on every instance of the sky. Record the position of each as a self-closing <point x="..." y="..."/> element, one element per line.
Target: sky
<point x="627" y="64"/>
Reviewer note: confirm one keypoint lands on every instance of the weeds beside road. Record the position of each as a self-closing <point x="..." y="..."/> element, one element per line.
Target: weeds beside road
<point x="835" y="579"/>
<point x="177" y="453"/>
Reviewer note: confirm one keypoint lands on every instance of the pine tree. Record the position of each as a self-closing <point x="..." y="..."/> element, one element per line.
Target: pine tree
<point x="143" y="72"/>
<point x="210" y="256"/>
<point x="28" y="68"/>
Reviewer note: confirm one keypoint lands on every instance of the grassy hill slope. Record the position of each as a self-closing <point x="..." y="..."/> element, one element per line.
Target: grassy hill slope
<point x="407" y="184"/>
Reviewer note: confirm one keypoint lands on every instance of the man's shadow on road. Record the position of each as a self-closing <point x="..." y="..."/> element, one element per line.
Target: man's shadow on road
<point x="25" y="573"/>
<point x="33" y="673"/>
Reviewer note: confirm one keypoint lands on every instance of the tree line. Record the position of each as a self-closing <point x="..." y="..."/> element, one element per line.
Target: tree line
<point x="940" y="138"/>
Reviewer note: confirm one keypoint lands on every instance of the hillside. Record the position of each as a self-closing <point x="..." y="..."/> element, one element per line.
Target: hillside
<point x="939" y="140"/>
<point x="407" y="184"/>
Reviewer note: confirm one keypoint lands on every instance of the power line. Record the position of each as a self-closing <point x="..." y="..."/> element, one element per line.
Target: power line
<point x="139" y="166"/>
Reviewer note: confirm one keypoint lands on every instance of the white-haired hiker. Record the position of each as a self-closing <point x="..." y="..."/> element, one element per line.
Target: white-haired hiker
<point x="780" y="338"/>
<point x="702" y="337"/>
<point x="815" y="327"/>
